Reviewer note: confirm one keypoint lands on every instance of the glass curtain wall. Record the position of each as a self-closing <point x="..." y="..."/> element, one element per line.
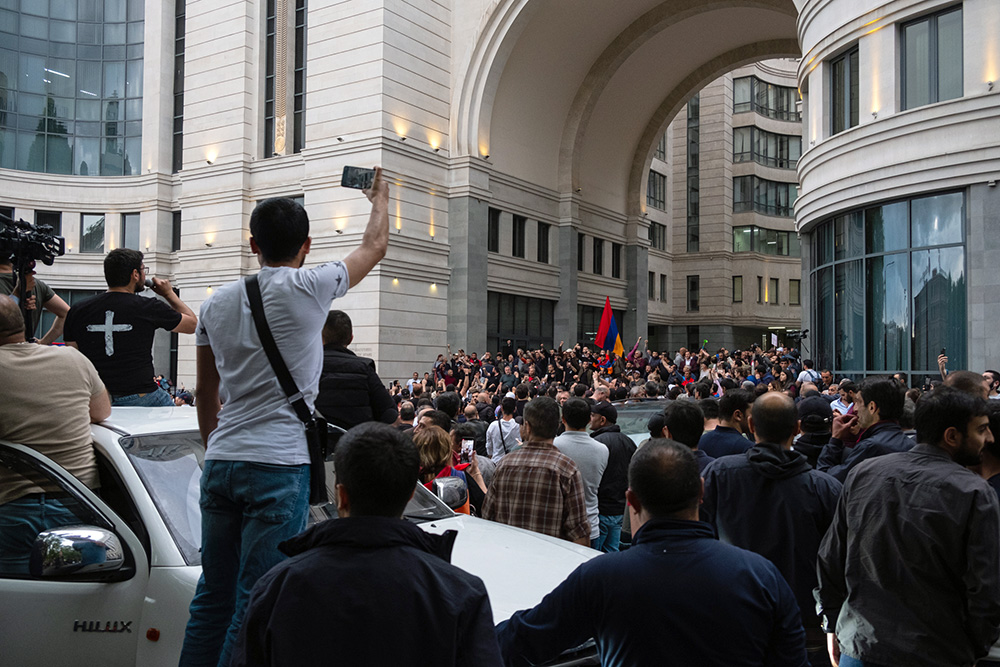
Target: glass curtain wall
<point x="71" y="85"/>
<point x="890" y="287"/>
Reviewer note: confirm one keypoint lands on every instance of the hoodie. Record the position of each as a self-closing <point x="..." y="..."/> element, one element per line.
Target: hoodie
<point x="367" y="591"/>
<point x="770" y="501"/>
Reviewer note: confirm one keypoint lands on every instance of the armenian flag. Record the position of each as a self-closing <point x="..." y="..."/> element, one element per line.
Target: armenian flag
<point x="608" y="337"/>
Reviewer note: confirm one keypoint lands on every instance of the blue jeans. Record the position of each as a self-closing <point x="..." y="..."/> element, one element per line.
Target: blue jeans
<point x="848" y="661"/>
<point x="21" y="521"/>
<point x="154" y="399"/>
<point x="247" y="509"/>
<point x="611" y="533"/>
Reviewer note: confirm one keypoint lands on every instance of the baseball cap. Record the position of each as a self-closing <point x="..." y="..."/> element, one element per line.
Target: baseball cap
<point x="606" y="410"/>
<point x="815" y="410"/>
<point x="655" y="425"/>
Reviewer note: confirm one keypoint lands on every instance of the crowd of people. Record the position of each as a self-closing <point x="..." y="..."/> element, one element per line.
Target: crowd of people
<point x="773" y="516"/>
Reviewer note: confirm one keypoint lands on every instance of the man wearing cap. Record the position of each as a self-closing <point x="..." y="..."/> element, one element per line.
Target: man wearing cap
<point x="815" y="418"/>
<point x="614" y="482"/>
<point x="772" y="502"/>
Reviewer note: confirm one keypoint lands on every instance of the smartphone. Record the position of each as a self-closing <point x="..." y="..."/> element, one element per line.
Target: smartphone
<point x="466" y="455"/>
<point x="357" y="178"/>
<point x="942" y="352"/>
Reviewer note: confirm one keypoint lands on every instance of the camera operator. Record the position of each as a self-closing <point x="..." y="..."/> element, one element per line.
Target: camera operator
<point x="40" y="295"/>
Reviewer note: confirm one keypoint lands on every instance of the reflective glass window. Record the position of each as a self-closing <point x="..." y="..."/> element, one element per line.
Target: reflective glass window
<point x="939" y="317"/>
<point x="886" y="227"/>
<point x="888" y="312"/>
<point x="92" y="232"/>
<point x="823" y="291"/>
<point x="849" y="306"/>
<point x="936" y="220"/>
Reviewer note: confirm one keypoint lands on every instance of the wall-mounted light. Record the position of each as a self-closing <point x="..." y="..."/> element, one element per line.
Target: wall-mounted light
<point x="208" y="290"/>
<point x="875" y="114"/>
<point x="395" y="281"/>
<point x="340" y="138"/>
<point x="578" y="190"/>
<point x="402" y="138"/>
<point x="437" y="149"/>
<point x="340" y="231"/>
<point x="208" y="245"/>
<point x="486" y="156"/>
<point x="209" y="162"/>
<point x="989" y="85"/>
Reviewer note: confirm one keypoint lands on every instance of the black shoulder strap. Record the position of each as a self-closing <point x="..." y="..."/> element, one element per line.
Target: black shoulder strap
<point x="271" y="349"/>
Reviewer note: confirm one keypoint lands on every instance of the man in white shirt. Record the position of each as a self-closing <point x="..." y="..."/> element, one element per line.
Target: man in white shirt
<point x="589" y="455"/>
<point x="255" y="484"/>
<point x="502" y="435"/>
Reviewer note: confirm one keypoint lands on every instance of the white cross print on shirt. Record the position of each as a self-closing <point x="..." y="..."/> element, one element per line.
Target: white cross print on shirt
<point x="109" y="328"/>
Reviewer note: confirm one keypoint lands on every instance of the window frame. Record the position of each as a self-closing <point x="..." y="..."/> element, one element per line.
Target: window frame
<point x="126" y="218"/>
<point x="616" y="260"/>
<point x="737" y="289"/>
<point x="693" y="294"/>
<point x="850" y="115"/>
<point x="598" y="264"/>
<point x="933" y="57"/>
<point x="493" y="229"/>
<point x="518" y="232"/>
<point x="83" y="227"/>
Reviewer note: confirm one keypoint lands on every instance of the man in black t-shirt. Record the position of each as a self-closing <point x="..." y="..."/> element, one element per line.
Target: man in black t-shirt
<point x="115" y="329"/>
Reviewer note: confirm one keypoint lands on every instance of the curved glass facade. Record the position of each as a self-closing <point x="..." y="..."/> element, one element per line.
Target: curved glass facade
<point x="71" y="86"/>
<point x="889" y="287"/>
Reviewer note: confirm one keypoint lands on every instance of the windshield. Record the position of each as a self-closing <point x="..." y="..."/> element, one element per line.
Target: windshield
<point x="170" y="464"/>
<point x="632" y="419"/>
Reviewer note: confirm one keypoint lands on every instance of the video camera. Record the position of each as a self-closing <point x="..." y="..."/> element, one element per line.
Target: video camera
<point x="25" y="242"/>
<point x="796" y="335"/>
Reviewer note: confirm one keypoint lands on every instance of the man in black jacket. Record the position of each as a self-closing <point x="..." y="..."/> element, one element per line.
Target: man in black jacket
<point x="772" y="502"/>
<point x="614" y="482"/>
<point x="877" y="421"/>
<point x="311" y="610"/>
<point x="350" y="391"/>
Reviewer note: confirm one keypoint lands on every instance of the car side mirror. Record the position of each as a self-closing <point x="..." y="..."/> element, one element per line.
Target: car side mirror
<point x="452" y="491"/>
<point x="75" y="550"/>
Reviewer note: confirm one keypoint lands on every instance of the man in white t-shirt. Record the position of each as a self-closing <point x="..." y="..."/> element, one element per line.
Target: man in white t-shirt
<point x="808" y="374"/>
<point x="502" y="435"/>
<point x="255" y="485"/>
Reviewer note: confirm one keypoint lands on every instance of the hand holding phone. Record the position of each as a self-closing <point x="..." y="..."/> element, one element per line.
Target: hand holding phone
<point x="466" y="454"/>
<point x="357" y="178"/>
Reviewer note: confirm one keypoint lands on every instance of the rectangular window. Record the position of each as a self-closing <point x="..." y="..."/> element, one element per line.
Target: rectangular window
<point x="693" y="293"/>
<point x="493" y="230"/>
<point x="751" y="193"/>
<point x="92" y="233"/>
<point x="844" y="80"/>
<point x="270" y="26"/>
<point x="581" y="247"/>
<point x="693" y="174"/>
<point x="51" y="219"/>
<point x="178" y="144"/>
<point x="651" y="286"/>
<point x="543" y="242"/>
<point x="751" y="144"/>
<point x="658" y="235"/>
<point x="760" y="289"/>
<point x="599" y="257"/>
<point x="932" y="59"/>
<point x="772" y="291"/>
<point x="130" y="231"/>
<point x="766" y="241"/>
<point x="175" y="232"/>
<point x="517" y="237"/>
<point x="794" y="292"/>
<point x="656" y="191"/>
<point x="661" y="148"/>
<point x="299" y="93"/>
<point x="663" y="287"/>
<point x="616" y="260"/>
<point x="737" y="289"/>
<point x="766" y="99"/>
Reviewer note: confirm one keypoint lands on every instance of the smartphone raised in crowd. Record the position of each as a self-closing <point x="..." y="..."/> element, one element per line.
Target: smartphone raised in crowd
<point x="358" y="178"/>
<point x="466" y="455"/>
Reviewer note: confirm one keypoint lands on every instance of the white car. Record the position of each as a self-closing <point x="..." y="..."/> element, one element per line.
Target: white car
<point x="115" y="589"/>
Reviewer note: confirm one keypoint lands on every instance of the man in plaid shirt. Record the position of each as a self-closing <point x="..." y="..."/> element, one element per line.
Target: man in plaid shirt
<point x="537" y="487"/>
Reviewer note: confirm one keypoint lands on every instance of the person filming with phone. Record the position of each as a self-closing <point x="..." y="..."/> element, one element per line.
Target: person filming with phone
<point x="256" y="483"/>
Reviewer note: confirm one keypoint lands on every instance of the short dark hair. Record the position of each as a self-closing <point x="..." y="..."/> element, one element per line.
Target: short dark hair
<point x="709" y="408"/>
<point x="944" y="408"/>
<point x="508" y="405"/>
<point x="996" y="378"/>
<point x="542" y="416"/>
<point x="119" y="265"/>
<point x="887" y="393"/>
<point x="338" y="329"/>
<point x="521" y="391"/>
<point x="993" y="412"/>
<point x="966" y="381"/>
<point x="579" y="390"/>
<point x="847" y="386"/>
<point x="438" y="418"/>
<point x="279" y="226"/>
<point x="664" y="477"/>
<point x="702" y="390"/>
<point x="774" y="419"/>
<point x="449" y="403"/>
<point x="733" y="400"/>
<point x="576" y="412"/>
<point x="406" y="411"/>
<point x="685" y="421"/>
<point x="378" y="466"/>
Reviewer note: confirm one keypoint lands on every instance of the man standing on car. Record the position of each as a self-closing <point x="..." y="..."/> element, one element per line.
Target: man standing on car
<point x="255" y="485"/>
<point x="115" y="329"/>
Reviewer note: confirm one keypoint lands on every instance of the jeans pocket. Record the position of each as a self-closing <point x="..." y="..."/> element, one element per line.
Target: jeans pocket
<point x="277" y="493"/>
<point x="213" y="482"/>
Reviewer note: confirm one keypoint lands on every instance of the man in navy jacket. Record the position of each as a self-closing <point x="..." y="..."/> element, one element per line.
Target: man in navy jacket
<point x="672" y="596"/>
<point x="369" y="588"/>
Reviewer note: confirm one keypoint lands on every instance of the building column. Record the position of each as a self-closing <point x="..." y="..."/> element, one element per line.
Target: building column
<point x="637" y="276"/>
<point x="565" y="321"/>
<point x="467" y="260"/>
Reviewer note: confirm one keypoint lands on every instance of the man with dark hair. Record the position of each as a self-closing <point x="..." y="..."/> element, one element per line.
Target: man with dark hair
<point x="407" y="414"/>
<point x="909" y="572"/>
<point x="990" y="468"/>
<point x="682" y="422"/>
<point x="433" y="418"/>
<point x="808" y="373"/>
<point x="255" y="482"/>
<point x="969" y="382"/>
<point x="292" y="619"/>
<point x="115" y="329"/>
<point x="537" y="487"/>
<point x="815" y="420"/>
<point x="350" y="390"/>
<point x="501" y="435"/>
<point x="589" y="455"/>
<point x="877" y="419"/>
<point x="992" y="379"/>
<point x="673" y="595"/>
<point x="772" y="502"/>
<point x="611" y="492"/>
<point x="727" y="438"/>
<point x="449" y="403"/>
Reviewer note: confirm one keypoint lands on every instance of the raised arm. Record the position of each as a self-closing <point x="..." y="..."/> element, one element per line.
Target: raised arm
<point x="375" y="241"/>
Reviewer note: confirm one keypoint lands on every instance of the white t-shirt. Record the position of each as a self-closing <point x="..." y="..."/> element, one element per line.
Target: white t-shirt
<point x="499" y="433"/>
<point x="257" y="423"/>
<point x="808" y="375"/>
